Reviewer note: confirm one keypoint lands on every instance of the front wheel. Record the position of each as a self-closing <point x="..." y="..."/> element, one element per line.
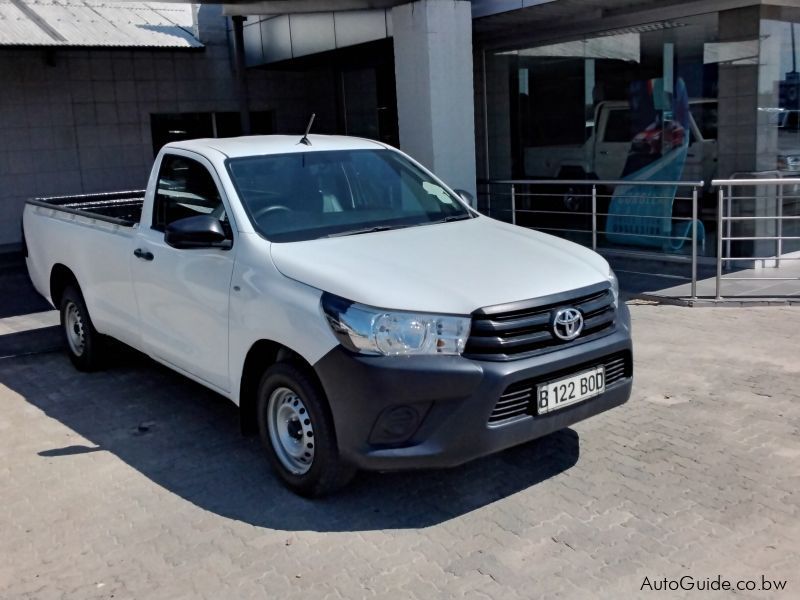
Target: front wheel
<point x="297" y="432"/>
<point x="578" y="198"/>
<point x="84" y="343"/>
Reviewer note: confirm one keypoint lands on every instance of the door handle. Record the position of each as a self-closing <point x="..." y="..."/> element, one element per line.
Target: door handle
<point x="143" y="254"/>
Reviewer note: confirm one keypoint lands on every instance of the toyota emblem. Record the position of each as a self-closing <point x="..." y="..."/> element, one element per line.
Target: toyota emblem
<point x="567" y="323"/>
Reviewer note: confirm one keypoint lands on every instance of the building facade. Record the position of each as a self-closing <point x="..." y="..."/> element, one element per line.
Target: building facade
<point x="562" y="90"/>
<point x="87" y="114"/>
<point x="479" y="91"/>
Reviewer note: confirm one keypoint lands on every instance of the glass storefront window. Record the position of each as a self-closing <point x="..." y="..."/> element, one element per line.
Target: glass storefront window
<point x="779" y="92"/>
<point x="638" y="103"/>
<point x="778" y="117"/>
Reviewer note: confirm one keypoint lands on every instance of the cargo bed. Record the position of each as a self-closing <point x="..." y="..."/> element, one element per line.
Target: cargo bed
<point x="121" y="208"/>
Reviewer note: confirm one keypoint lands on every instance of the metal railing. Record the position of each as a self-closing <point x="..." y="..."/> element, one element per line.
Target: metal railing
<point x="752" y="220"/>
<point x="757" y="221"/>
<point x="519" y="200"/>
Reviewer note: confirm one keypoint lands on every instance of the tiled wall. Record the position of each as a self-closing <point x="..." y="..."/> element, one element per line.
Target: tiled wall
<point x="78" y="120"/>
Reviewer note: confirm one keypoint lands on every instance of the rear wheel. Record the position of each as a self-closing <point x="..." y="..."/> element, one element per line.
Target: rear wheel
<point x="84" y="343"/>
<point x="297" y="432"/>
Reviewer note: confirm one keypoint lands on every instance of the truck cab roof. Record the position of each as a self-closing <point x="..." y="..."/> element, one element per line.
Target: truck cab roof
<point x="254" y="145"/>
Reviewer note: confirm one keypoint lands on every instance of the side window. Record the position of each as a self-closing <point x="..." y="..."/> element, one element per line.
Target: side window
<point x="618" y="126"/>
<point x="333" y="186"/>
<point x="705" y="115"/>
<point x="185" y="189"/>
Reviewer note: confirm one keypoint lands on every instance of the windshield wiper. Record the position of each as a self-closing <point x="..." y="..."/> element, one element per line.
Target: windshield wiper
<point x="388" y="227"/>
<point x="450" y="218"/>
<point x="366" y="230"/>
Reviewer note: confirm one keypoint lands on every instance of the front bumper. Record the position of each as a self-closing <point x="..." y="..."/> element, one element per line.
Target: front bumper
<point x="452" y="398"/>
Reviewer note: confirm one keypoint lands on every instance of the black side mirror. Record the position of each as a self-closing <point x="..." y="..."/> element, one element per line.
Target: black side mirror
<point x="466" y="197"/>
<point x="202" y="231"/>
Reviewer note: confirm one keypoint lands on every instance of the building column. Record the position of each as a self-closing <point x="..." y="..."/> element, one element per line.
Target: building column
<point x="738" y="100"/>
<point x="241" y="74"/>
<point x="433" y="70"/>
<point x="747" y="137"/>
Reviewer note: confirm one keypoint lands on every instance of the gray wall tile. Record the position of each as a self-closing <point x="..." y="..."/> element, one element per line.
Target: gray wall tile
<point x="83" y="125"/>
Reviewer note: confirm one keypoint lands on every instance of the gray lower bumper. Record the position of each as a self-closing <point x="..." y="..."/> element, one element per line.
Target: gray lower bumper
<point x="452" y="398"/>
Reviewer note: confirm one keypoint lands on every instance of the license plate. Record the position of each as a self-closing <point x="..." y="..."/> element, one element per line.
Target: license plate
<point x="559" y="393"/>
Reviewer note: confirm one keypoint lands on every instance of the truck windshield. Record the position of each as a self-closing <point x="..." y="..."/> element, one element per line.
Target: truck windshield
<point x="309" y="195"/>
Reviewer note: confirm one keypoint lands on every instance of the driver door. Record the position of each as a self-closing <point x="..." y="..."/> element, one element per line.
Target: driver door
<point x="613" y="144"/>
<point x="183" y="294"/>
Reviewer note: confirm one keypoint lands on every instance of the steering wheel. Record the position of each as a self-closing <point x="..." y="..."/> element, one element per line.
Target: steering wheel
<point x="268" y="209"/>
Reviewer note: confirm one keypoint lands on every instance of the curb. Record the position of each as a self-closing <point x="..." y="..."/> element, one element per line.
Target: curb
<point x="713" y="302"/>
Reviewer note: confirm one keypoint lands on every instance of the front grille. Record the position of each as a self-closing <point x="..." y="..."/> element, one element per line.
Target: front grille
<point x="523" y="329"/>
<point x="519" y="398"/>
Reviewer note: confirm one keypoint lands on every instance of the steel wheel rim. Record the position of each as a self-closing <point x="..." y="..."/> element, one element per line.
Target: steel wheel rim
<point x="291" y="431"/>
<point x="571" y="201"/>
<point x="75" y="329"/>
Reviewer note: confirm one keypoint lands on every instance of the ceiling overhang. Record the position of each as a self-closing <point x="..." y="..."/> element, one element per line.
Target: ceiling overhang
<point x="288" y="7"/>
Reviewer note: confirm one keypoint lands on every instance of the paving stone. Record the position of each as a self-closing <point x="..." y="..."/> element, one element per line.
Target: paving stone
<point x="697" y="475"/>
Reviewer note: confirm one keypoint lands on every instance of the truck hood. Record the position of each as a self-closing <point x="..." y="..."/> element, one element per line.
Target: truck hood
<point x="451" y="268"/>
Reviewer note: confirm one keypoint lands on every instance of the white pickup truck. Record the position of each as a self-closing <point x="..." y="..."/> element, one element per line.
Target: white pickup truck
<point x="610" y="139"/>
<point x="357" y="310"/>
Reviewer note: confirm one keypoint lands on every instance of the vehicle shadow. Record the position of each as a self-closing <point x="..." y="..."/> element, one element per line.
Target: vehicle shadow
<point x="19" y="295"/>
<point x="187" y="440"/>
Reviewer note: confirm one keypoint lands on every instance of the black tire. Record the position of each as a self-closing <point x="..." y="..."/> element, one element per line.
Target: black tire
<point x="326" y="471"/>
<point x="577" y="198"/>
<point x="84" y="344"/>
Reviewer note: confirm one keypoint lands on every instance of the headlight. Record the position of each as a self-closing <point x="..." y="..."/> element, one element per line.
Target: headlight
<point x="371" y="330"/>
<point x="612" y="278"/>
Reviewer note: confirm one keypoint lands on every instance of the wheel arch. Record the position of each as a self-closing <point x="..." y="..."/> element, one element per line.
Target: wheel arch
<point x="263" y="354"/>
<point x="61" y="277"/>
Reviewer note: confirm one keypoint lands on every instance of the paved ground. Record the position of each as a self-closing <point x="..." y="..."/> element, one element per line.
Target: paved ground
<point x="658" y="279"/>
<point x="745" y="283"/>
<point x="135" y="483"/>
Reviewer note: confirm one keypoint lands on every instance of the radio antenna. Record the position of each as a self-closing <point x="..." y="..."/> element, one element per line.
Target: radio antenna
<point x="304" y="139"/>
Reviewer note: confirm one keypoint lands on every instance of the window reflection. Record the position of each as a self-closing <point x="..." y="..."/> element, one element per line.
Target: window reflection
<point x="622" y="46"/>
<point x="638" y="103"/>
<point x="779" y="97"/>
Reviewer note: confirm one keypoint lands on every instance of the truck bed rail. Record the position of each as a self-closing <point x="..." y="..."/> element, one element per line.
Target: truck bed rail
<point x="120" y="208"/>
